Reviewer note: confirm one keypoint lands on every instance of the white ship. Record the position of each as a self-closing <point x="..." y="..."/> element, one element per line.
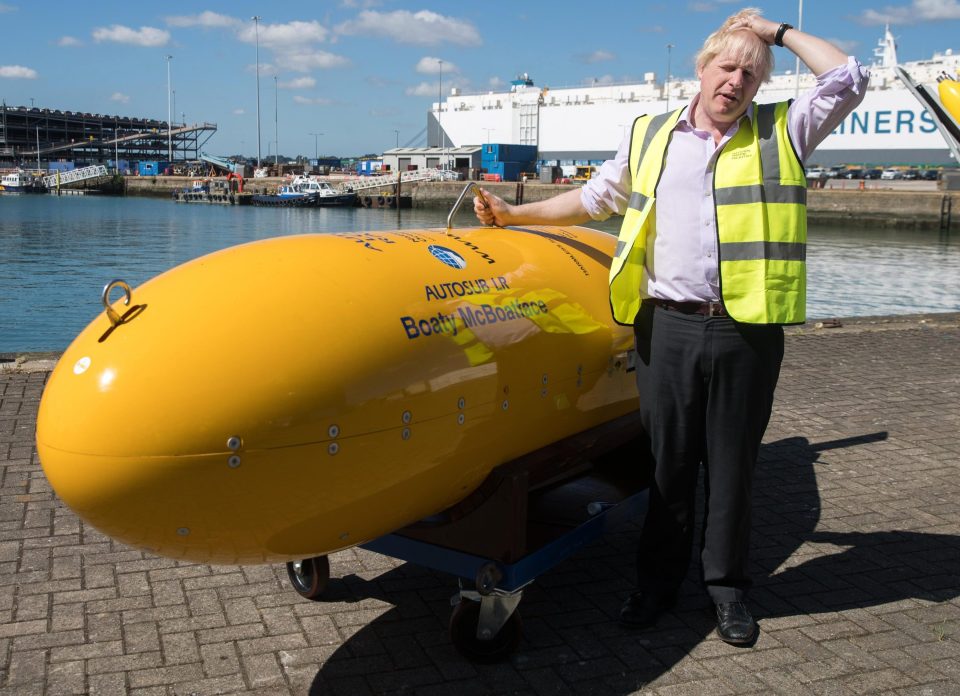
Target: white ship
<point x="584" y="125"/>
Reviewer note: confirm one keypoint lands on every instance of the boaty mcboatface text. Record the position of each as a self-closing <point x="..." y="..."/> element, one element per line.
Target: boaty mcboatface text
<point x="471" y="316"/>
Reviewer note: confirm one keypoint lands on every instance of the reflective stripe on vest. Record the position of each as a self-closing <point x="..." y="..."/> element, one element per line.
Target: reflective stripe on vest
<point x="648" y="143"/>
<point x="760" y="203"/>
<point x="760" y="197"/>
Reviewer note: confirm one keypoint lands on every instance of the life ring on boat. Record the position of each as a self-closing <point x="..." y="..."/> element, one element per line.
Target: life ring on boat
<point x="380" y="201"/>
<point x="367" y="201"/>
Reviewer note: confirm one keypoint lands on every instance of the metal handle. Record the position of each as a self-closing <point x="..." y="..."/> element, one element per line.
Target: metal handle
<point x="456" y="206"/>
<point x="105" y="298"/>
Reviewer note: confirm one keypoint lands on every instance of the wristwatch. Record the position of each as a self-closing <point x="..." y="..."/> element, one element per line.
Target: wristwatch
<point x="781" y="30"/>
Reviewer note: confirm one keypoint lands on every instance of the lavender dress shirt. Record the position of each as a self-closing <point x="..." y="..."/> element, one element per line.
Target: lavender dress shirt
<point x="681" y="259"/>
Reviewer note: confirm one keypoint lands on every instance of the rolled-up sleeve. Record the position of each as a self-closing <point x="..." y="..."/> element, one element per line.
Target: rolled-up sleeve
<point x="608" y="192"/>
<point x="816" y="113"/>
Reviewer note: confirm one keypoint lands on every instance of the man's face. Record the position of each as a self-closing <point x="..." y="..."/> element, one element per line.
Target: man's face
<point x="727" y="86"/>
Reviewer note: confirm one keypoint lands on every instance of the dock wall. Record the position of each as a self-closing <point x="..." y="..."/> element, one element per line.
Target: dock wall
<point x="871" y="207"/>
<point x="883" y="208"/>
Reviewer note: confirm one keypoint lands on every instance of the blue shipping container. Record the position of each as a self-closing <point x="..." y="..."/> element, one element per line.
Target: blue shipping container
<point x="507" y="152"/>
<point x="151" y="168"/>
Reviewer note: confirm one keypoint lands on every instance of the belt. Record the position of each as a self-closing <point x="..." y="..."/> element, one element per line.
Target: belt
<point x="707" y="309"/>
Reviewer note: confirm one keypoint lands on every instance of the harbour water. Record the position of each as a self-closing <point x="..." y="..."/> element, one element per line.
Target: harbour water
<point x="56" y="254"/>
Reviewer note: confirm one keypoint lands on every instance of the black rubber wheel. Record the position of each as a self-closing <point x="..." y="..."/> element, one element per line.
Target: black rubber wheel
<point x="310" y="576"/>
<point x="463" y="634"/>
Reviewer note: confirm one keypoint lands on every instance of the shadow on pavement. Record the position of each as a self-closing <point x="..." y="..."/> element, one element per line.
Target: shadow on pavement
<point x="570" y="612"/>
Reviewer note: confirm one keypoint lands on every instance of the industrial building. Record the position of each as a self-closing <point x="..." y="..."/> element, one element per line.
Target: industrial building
<point x="494" y="161"/>
<point x="414" y="158"/>
<point x="36" y="137"/>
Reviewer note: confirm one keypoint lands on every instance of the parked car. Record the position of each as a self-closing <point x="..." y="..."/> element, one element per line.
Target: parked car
<point x="889" y="174"/>
<point x="929" y="174"/>
<point x="872" y="174"/>
<point x="816" y="173"/>
<point x="910" y="174"/>
<point x="852" y="173"/>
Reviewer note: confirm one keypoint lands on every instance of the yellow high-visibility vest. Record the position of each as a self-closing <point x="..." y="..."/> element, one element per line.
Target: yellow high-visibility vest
<point x="760" y="196"/>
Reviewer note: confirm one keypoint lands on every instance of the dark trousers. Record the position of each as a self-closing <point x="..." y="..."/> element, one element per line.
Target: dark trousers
<point x="706" y="391"/>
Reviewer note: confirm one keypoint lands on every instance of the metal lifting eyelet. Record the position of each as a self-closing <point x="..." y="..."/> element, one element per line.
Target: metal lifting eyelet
<point x="105" y="298"/>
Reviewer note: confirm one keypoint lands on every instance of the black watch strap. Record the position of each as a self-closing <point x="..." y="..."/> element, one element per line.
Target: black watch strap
<point x="781" y="30"/>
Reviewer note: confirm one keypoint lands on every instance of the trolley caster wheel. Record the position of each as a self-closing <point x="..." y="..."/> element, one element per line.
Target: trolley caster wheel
<point x="463" y="634"/>
<point x="310" y="576"/>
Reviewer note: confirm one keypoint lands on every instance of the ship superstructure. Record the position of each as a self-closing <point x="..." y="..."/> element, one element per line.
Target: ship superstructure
<point x="584" y="125"/>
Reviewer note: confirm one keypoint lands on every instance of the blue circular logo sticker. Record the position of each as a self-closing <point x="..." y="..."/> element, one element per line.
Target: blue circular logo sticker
<point x="447" y="256"/>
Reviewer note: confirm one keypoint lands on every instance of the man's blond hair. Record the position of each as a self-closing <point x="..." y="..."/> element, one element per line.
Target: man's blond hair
<point x="741" y="44"/>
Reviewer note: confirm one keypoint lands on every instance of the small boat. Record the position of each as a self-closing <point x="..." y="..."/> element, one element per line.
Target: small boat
<point x="20" y="182"/>
<point x="325" y="194"/>
<point x="287" y="196"/>
<point x="207" y="191"/>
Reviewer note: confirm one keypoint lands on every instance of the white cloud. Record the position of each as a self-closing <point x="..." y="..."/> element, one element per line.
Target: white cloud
<point x="120" y="97"/>
<point x="239" y="112"/>
<point x="18" y="72"/>
<point x="306" y="60"/>
<point x="496" y="83"/>
<point x="145" y="36"/>
<point x="7" y="8"/>
<point x="299" y="83"/>
<point x="424" y="89"/>
<point x="307" y="100"/>
<point x="423" y="27"/>
<point x="292" y="45"/>
<point x="429" y="65"/>
<point x="204" y="19"/>
<point x="69" y="41"/>
<point x="917" y="12"/>
<point x="596" y="57"/>
<point x="283" y="36"/>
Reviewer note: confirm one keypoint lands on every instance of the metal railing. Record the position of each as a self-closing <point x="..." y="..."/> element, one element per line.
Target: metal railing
<point x="74" y="175"/>
<point x="387" y="180"/>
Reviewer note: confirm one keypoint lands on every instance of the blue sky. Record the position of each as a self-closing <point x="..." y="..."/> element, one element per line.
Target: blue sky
<point x="358" y="71"/>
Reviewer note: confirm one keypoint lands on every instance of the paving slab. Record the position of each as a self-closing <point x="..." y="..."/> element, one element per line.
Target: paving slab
<point x="856" y="559"/>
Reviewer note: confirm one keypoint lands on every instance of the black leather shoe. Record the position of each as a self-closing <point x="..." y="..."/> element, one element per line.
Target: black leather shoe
<point x="735" y="625"/>
<point x="642" y="609"/>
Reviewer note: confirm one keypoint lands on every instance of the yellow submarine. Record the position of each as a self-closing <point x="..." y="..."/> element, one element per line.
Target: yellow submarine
<point x="295" y="396"/>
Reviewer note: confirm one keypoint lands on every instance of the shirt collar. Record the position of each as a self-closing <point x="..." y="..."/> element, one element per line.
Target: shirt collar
<point x="684" y="120"/>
